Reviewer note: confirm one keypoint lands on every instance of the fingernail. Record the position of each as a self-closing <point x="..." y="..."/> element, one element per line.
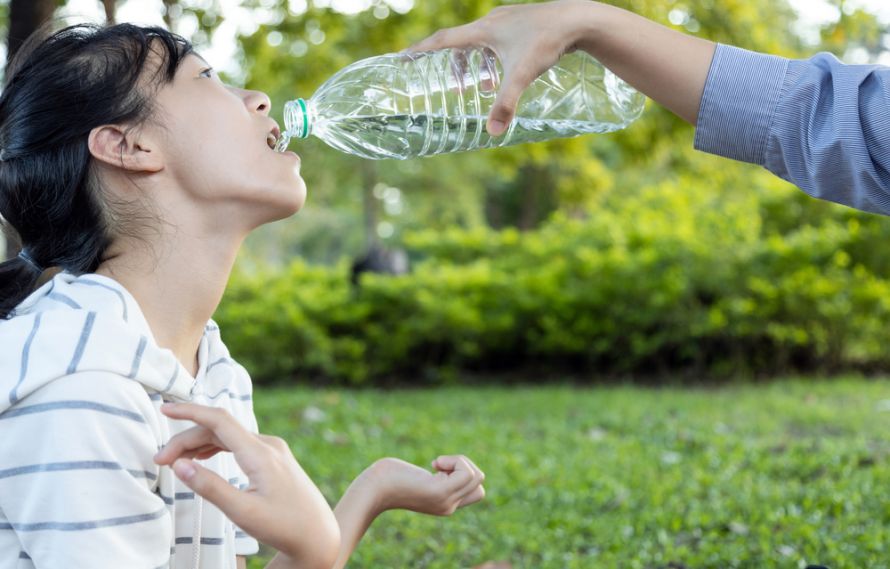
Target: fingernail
<point x="496" y="126"/>
<point x="184" y="468"/>
<point x="168" y="405"/>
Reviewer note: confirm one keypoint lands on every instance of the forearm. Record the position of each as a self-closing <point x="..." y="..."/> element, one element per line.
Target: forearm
<point x="314" y="543"/>
<point x="281" y="561"/>
<point x="668" y="66"/>
<point x="355" y="512"/>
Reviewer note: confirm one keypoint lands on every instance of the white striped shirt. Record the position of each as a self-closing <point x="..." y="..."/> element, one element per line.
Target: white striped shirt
<point x="82" y="381"/>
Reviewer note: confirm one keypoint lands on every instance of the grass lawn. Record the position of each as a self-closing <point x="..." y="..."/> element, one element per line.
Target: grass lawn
<point x="777" y="475"/>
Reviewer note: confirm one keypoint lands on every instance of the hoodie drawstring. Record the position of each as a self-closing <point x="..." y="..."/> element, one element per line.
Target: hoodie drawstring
<point x="196" y="532"/>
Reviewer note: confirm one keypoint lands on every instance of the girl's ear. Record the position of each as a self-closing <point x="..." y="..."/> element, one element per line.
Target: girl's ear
<point x="121" y="147"/>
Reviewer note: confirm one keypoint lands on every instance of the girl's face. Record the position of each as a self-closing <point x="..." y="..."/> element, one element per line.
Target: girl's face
<point x="216" y="146"/>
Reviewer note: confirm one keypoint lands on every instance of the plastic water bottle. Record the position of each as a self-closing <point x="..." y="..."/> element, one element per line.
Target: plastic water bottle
<point x="405" y="106"/>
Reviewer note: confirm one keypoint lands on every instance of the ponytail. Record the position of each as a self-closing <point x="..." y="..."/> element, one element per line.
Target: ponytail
<point x="17" y="279"/>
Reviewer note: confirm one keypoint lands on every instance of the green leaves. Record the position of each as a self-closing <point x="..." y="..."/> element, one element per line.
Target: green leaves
<point x="673" y="277"/>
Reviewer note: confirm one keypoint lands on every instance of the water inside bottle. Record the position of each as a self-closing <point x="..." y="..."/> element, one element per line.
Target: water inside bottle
<point x="407" y="136"/>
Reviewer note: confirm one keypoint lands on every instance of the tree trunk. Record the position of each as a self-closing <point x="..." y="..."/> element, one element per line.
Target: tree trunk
<point x="369" y="202"/>
<point x="169" y="19"/>
<point x="109" y="6"/>
<point x="25" y="16"/>
<point x="529" y="213"/>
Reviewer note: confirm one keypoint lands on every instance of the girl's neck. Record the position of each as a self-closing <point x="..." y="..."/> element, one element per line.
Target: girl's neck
<point x="177" y="285"/>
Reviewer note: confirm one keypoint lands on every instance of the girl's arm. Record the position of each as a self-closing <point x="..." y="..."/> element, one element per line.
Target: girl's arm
<point x="282" y="507"/>
<point x="391" y="484"/>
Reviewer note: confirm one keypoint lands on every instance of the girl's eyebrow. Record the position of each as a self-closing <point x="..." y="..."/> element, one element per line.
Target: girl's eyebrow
<point x="202" y="59"/>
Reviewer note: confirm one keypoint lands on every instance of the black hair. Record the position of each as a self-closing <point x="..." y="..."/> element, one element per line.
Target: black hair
<point x="58" y="88"/>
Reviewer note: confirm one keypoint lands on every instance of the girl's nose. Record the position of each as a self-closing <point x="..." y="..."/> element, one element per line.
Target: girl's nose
<point x="258" y="101"/>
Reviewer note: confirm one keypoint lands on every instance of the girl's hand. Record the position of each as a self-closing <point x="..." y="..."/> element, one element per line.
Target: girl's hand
<point x="456" y="483"/>
<point x="281" y="507"/>
<point x="527" y="39"/>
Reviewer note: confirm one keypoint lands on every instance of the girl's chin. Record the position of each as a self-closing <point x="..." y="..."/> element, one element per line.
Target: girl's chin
<point x="295" y="202"/>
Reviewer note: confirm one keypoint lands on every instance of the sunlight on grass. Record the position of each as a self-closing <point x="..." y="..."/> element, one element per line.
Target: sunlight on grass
<point x="767" y="476"/>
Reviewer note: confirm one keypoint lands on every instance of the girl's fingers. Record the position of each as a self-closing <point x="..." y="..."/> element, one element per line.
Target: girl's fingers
<point x="202" y="453"/>
<point x="446" y="463"/>
<point x="230" y="434"/>
<point x="480" y="476"/>
<point x="185" y="442"/>
<point x="475" y="495"/>
<point x="231" y="501"/>
<point x="466" y="488"/>
<point x="449" y="463"/>
<point x="460" y="473"/>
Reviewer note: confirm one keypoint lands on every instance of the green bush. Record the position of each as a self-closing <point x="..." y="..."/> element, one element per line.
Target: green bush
<point x="669" y="278"/>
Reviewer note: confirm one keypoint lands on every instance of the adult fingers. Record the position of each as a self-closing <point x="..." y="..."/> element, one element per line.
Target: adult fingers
<point x="227" y="430"/>
<point x="458" y="36"/>
<point x="504" y="108"/>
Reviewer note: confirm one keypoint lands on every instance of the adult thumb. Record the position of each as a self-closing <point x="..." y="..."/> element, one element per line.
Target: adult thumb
<point x="207" y="484"/>
<point x="504" y="107"/>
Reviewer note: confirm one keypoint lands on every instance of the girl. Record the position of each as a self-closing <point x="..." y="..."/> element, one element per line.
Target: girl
<point x="128" y="166"/>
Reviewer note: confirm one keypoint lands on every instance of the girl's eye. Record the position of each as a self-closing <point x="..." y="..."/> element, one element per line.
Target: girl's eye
<point x="207" y="73"/>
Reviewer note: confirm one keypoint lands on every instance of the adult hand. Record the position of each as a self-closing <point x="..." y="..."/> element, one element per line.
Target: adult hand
<point x="281" y="507"/>
<point x="456" y="483"/>
<point x="527" y="39"/>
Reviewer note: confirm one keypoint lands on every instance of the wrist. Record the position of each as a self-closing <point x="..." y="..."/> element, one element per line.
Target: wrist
<point x="591" y="23"/>
<point x="371" y="483"/>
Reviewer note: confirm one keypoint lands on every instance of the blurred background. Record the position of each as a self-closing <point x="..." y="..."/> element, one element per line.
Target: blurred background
<point x="618" y="254"/>
<point x="661" y="358"/>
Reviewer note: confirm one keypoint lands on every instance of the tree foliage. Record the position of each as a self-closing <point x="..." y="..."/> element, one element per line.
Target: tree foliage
<point x="303" y="43"/>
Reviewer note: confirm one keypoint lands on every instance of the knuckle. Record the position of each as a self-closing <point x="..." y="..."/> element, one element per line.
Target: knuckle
<point x="244" y="511"/>
<point x="220" y="413"/>
<point x="279" y="444"/>
<point x="439" y="36"/>
<point x="443" y="495"/>
<point x="202" y="486"/>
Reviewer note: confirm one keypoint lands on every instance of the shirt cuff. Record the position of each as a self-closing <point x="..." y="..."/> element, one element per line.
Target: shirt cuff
<point x="740" y="97"/>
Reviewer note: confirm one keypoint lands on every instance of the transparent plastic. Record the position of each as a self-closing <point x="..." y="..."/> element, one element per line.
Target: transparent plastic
<point x="405" y="106"/>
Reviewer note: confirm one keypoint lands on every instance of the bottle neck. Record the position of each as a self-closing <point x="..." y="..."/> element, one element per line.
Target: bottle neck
<point x="297" y="118"/>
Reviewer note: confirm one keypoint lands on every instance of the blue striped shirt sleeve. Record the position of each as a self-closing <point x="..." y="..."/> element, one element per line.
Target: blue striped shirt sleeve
<point x="818" y="123"/>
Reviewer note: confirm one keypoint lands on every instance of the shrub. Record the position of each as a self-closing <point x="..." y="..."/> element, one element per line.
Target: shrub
<point x="674" y="277"/>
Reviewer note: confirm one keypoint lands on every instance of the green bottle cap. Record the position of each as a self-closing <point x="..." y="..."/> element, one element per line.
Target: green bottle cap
<point x="304" y="133"/>
<point x="296" y="119"/>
